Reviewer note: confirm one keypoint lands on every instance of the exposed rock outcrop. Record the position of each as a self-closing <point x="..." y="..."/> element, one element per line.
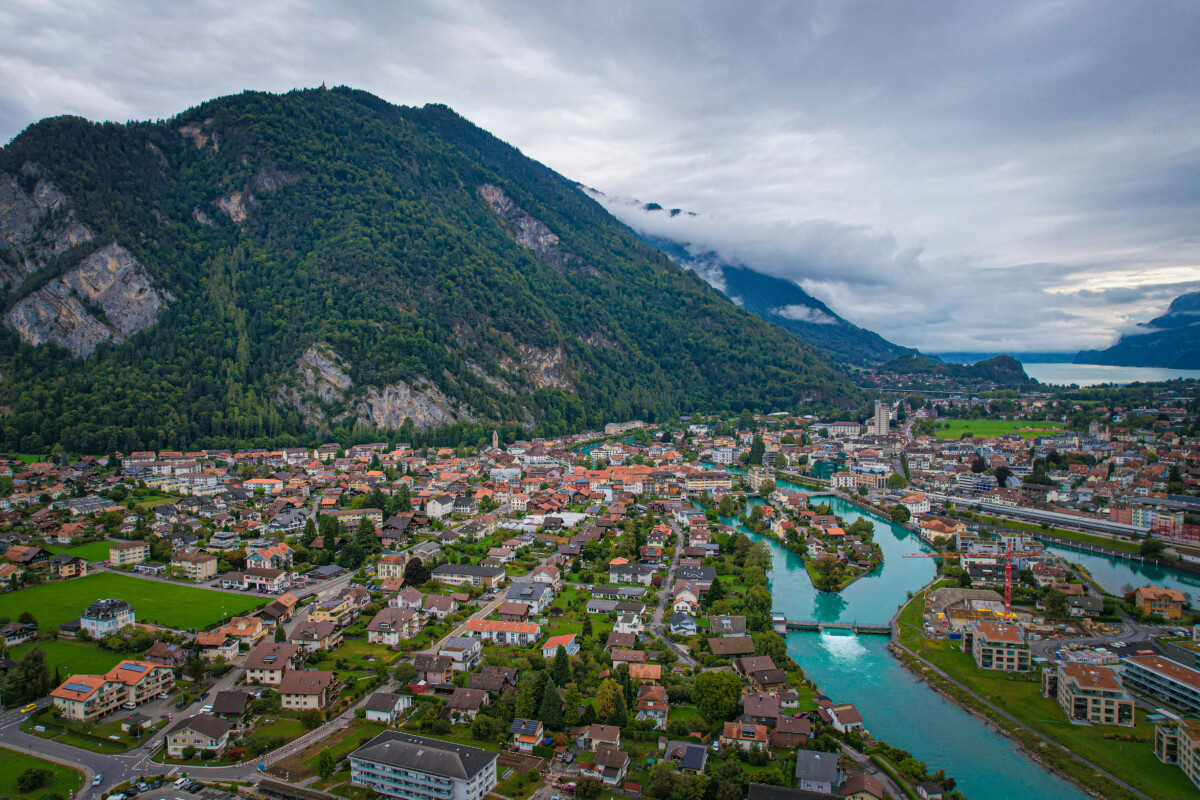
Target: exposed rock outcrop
<point x="531" y="233"/>
<point x="36" y="224"/>
<point x="425" y="405"/>
<point x="110" y="283"/>
<point x="321" y="381"/>
<point x="543" y="368"/>
<point x="236" y="205"/>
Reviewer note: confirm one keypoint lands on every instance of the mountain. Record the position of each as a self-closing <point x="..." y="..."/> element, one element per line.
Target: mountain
<point x="1000" y="370"/>
<point x="274" y="268"/>
<point x="777" y="300"/>
<point x="1172" y="340"/>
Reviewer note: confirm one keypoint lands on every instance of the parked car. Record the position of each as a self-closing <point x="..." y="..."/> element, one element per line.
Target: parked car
<point x="163" y="695"/>
<point x="129" y="706"/>
<point x="96" y="780"/>
<point x="180" y="704"/>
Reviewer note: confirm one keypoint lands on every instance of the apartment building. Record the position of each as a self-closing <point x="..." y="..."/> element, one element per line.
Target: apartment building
<point x="995" y="645"/>
<point x="418" y="768"/>
<point x="1163" y="678"/>
<point x="1178" y="742"/>
<point x="503" y="632"/>
<point x="468" y="575"/>
<point x="1089" y="693"/>
<point x="267" y="663"/>
<point x="122" y="554"/>
<point x="1160" y="602"/>
<point x="196" y="566"/>
<point x="302" y="689"/>
<point x="201" y="732"/>
<point x="89" y="697"/>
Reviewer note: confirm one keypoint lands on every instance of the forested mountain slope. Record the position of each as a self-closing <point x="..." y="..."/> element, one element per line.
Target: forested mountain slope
<point x="1171" y="341"/>
<point x="273" y="268"/>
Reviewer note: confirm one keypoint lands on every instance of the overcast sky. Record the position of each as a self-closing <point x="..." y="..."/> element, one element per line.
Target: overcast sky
<point x="975" y="176"/>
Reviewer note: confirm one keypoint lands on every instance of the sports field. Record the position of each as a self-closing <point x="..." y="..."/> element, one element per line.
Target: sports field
<point x="156" y="602"/>
<point x="71" y="657"/>
<point x="987" y="428"/>
<point x="92" y="551"/>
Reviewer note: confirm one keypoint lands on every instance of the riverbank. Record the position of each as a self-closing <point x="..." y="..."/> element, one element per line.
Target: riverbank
<point x="1014" y="706"/>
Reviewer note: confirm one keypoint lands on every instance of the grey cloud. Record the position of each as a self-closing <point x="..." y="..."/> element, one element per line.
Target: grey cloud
<point x="804" y="314"/>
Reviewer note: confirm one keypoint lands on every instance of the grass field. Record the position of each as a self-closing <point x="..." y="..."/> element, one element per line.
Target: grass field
<point x="12" y="764"/>
<point x="154" y="500"/>
<point x="153" y="601"/>
<point x="1132" y="762"/>
<point x="955" y="428"/>
<point x="71" y="657"/>
<point x="92" y="551"/>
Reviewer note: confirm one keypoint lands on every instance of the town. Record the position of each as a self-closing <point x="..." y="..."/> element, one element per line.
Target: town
<point x="594" y="614"/>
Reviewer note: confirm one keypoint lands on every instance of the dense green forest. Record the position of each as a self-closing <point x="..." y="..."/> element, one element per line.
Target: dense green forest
<point x="364" y="230"/>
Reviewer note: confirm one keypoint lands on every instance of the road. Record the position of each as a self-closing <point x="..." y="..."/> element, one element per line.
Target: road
<point x="656" y="620"/>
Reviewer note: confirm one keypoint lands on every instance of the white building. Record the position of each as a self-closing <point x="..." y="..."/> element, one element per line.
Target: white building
<point x="106" y="616"/>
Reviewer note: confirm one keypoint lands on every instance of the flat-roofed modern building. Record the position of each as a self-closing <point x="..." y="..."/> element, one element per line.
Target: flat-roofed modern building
<point x="1089" y="693"/>
<point x="1177" y="741"/>
<point x="419" y="768"/>
<point x="1163" y="678"/>
<point x="998" y="646"/>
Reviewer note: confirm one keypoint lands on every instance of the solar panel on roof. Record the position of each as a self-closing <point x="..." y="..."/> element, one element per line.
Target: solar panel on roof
<point x="135" y="667"/>
<point x="78" y="687"/>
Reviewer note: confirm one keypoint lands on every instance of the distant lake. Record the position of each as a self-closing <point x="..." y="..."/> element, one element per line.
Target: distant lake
<point x="1091" y="374"/>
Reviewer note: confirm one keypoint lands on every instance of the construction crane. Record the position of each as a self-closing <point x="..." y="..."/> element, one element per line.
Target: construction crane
<point x="1009" y="554"/>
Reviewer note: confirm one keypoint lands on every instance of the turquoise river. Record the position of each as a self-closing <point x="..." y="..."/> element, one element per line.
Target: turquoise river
<point x="896" y="706"/>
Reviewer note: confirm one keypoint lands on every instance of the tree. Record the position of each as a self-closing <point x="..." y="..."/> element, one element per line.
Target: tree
<point x="758" y="599"/>
<point x="899" y="514"/>
<point x="717" y="695"/>
<point x="415" y="573"/>
<point x="405" y="673"/>
<point x="550" y="712"/>
<point x="586" y="633"/>
<point x="280" y="634"/>
<point x="27" y="619"/>
<point x="1056" y="603"/>
<point x="610" y="703"/>
<point x="1151" y="547"/>
<point x="769" y="643"/>
<point x="571" y="703"/>
<point x="312" y="718"/>
<point x="326" y="764"/>
<point x="588" y="788"/>
<point x="662" y="778"/>
<point x="29" y="680"/>
<point x="757" y="450"/>
<point x="897" y="481"/>
<point x="766" y="488"/>
<point x="310" y="533"/>
<point x="33" y="779"/>
<point x="561" y="669"/>
<point x="366" y="538"/>
<point x="1002" y="475"/>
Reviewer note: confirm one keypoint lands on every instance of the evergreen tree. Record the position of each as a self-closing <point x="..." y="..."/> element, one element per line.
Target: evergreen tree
<point x="550" y="712"/>
<point x="572" y="702"/>
<point x="310" y="533"/>
<point x="561" y="669"/>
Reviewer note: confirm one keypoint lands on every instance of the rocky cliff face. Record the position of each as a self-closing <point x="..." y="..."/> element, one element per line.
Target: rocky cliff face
<point x="543" y="368"/>
<point x="36" y="224"/>
<point x="321" y="383"/>
<point x="108" y="297"/>
<point x="530" y="232"/>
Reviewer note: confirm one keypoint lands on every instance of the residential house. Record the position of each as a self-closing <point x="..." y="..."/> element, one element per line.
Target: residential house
<point x="609" y="765"/>
<point x="200" y="733"/>
<point x="66" y="566"/>
<point x="392" y="626"/>
<point x="106" y="616"/>
<point x="568" y="642"/>
<point x="496" y="680"/>
<point x="846" y="718"/>
<point x="463" y="651"/>
<point x="468" y="575"/>
<point x="303" y="689"/>
<point x="216" y="644"/>
<point x="652" y="706"/>
<point x="434" y="669"/>
<point x="736" y="734"/>
<point x="386" y="707"/>
<point x="268" y="662"/>
<point x="536" y="595"/>
<point x="682" y="624"/>
<point x="596" y="737"/>
<point x="311" y="636"/>
<point x="526" y="734"/>
<point x="523" y="634"/>
<point x="817" y="772"/>
<point x="167" y="654"/>
<point x="439" y="606"/>
<point x="1160" y="602"/>
<point x="464" y="705"/>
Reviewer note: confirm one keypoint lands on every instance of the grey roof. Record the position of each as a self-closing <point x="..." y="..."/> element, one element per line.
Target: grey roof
<point x="205" y="724"/>
<point x="525" y="727"/>
<point x="230" y="702"/>
<point x="422" y="754"/>
<point x="761" y="791"/>
<point x="819" y="767"/>
<point x="383" y="701"/>
<point x="687" y="755"/>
